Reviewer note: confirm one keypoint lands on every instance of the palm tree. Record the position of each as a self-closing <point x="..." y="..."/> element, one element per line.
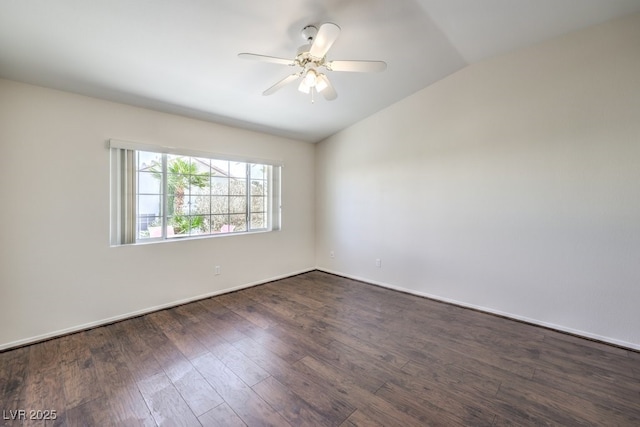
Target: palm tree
<point x="181" y="174"/>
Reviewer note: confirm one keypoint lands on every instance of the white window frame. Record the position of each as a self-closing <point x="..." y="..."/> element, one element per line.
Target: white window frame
<point x="123" y="230"/>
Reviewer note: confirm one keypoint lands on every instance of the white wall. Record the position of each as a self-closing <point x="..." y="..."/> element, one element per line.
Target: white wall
<point x="512" y="186"/>
<point x="57" y="270"/>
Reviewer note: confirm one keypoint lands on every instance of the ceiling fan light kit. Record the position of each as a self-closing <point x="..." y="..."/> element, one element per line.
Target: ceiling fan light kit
<point x="311" y="57"/>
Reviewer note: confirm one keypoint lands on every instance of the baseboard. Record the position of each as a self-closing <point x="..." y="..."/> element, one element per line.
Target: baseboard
<point x="559" y="328"/>
<point x="114" y="319"/>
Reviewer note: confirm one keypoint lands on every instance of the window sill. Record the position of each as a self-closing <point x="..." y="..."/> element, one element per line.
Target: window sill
<point x="178" y="238"/>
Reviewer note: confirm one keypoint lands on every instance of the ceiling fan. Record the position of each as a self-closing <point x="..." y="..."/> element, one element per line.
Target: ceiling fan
<point x="311" y="59"/>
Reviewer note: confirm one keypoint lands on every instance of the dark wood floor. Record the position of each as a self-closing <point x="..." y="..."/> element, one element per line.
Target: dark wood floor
<point x="320" y="350"/>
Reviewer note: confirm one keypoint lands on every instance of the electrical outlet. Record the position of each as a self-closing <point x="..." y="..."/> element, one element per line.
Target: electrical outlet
<point x="378" y="262"/>
<point x="217" y="270"/>
<point x="332" y="255"/>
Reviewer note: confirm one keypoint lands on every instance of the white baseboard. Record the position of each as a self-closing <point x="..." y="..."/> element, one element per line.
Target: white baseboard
<point x="560" y="328"/>
<point x="102" y="322"/>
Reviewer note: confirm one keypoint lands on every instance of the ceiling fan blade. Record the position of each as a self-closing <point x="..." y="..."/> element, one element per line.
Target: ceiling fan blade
<point x="328" y="92"/>
<point x="357" y="66"/>
<point x="327" y="35"/>
<point x="265" y="58"/>
<point x="280" y="84"/>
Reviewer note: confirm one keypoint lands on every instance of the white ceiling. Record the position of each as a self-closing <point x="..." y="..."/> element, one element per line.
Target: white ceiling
<point x="181" y="56"/>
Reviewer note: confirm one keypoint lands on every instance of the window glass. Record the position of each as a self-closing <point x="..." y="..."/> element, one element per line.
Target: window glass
<point x="195" y="196"/>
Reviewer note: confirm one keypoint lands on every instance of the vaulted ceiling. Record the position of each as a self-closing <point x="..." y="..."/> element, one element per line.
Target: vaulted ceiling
<point x="181" y="56"/>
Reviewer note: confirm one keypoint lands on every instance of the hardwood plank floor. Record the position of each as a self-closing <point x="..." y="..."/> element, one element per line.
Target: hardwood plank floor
<point x="320" y="350"/>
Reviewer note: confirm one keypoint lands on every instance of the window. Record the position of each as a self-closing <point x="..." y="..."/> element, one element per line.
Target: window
<point x="164" y="194"/>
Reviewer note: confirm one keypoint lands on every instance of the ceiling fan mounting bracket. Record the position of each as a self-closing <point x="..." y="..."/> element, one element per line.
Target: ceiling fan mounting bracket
<point x="308" y="33"/>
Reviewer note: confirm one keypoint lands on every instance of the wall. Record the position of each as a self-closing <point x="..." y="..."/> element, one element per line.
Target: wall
<point x="511" y="186"/>
<point x="57" y="270"/>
